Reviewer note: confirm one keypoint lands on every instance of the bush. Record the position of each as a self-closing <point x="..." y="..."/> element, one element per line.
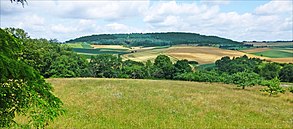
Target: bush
<point x="273" y="86"/>
<point x="244" y="79"/>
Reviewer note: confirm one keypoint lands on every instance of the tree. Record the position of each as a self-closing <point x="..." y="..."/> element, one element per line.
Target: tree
<point x="149" y="69"/>
<point x="163" y="67"/>
<point x="106" y="65"/>
<point x="244" y="79"/>
<point x="133" y="69"/>
<point x="23" y="90"/>
<point x="49" y="57"/>
<point x="273" y="86"/>
<point x="270" y="70"/>
<point x="182" y="66"/>
<point x="238" y="64"/>
<point x="286" y="73"/>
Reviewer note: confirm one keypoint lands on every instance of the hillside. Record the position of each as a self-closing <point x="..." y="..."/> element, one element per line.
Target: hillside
<point x="127" y="103"/>
<point x="157" y="39"/>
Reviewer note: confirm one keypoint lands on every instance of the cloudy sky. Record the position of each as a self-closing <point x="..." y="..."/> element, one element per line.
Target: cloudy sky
<point x="235" y="19"/>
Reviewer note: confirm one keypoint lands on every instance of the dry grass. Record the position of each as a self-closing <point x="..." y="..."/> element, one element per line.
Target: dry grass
<point x="123" y="103"/>
<point x="204" y="55"/>
<point x="281" y="60"/>
<point x="143" y="56"/>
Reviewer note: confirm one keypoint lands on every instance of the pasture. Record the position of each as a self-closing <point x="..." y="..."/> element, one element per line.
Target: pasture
<point x="127" y="103"/>
<point x="275" y="53"/>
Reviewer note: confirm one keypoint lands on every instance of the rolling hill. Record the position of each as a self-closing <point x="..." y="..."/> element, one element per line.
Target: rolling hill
<point x="157" y="39"/>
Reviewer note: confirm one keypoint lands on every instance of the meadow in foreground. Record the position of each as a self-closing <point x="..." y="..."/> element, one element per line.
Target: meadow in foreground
<point x="126" y="103"/>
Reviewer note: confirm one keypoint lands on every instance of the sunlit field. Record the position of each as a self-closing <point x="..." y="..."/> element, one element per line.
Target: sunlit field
<point x="126" y="103"/>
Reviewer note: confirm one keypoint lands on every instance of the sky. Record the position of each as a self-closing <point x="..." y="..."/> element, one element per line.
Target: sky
<point x="240" y="20"/>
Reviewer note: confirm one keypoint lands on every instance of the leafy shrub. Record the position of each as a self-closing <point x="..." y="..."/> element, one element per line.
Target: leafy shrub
<point x="244" y="79"/>
<point x="273" y="86"/>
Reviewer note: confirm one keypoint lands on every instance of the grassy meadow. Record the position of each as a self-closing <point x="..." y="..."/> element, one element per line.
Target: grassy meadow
<point x="271" y="52"/>
<point x="127" y="103"/>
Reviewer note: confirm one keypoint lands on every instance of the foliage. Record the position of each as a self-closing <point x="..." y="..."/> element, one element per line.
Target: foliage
<point x="273" y="86"/>
<point x="202" y="76"/>
<point x="164" y="67"/>
<point x="23" y="90"/>
<point x="49" y="57"/>
<point x="244" y="79"/>
<point x="270" y="70"/>
<point x="286" y="73"/>
<point x="70" y="65"/>
<point x="156" y="39"/>
<point x="238" y="64"/>
<point x="182" y="66"/>
<point x="106" y="66"/>
<point x="133" y="69"/>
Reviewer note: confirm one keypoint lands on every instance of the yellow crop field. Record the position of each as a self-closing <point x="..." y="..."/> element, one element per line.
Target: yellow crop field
<point x="204" y="55"/>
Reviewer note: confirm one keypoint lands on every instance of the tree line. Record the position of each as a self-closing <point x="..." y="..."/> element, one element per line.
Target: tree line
<point x="157" y="39"/>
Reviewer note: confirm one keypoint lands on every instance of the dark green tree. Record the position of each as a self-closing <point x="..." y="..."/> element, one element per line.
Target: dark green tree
<point x="286" y="73"/>
<point x="238" y="64"/>
<point x="182" y="66"/>
<point x="270" y="70"/>
<point x="49" y="57"/>
<point x="23" y="90"/>
<point x="133" y="69"/>
<point x="163" y="67"/>
<point x="106" y="65"/>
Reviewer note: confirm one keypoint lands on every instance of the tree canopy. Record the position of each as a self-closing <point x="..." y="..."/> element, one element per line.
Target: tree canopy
<point x="157" y="39"/>
<point x="23" y="90"/>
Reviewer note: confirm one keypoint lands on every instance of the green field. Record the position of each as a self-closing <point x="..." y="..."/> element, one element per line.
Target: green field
<point x="78" y="45"/>
<point x="100" y="51"/>
<point x="126" y="103"/>
<point x="275" y="53"/>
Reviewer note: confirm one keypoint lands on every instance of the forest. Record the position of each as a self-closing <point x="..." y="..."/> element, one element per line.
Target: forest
<point x="158" y="39"/>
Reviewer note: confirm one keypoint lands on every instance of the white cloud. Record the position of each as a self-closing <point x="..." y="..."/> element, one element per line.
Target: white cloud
<point x="208" y="19"/>
<point x="117" y="27"/>
<point x="59" y="28"/>
<point x="106" y="10"/>
<point x="67" y="19"/>
<point x="215" y="2"/>
<point x="275" y="7"/>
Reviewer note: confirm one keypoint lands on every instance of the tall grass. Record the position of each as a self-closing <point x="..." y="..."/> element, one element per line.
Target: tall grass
<point x="122" y="103"/>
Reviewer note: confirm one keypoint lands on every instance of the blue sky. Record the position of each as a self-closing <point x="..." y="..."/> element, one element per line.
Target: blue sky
<point x="235" y="19"/>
